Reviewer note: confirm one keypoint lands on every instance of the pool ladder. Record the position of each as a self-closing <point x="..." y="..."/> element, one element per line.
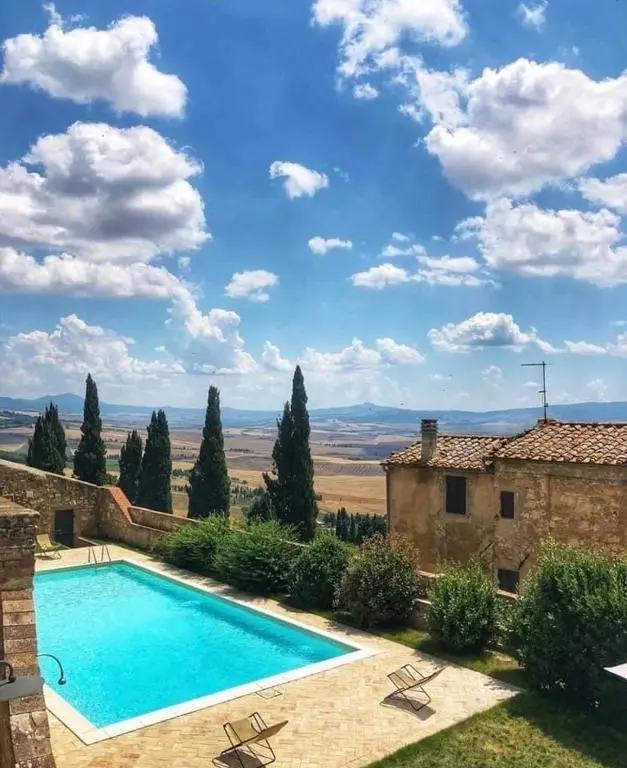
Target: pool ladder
<point x="105" y="555"/>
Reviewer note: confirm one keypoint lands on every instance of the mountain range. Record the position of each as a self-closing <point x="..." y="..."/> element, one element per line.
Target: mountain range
<point x="366" y="417"/>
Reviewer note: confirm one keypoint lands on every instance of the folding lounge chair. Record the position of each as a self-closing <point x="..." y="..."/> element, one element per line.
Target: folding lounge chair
<point x="407" y="679"/>
<point x="249" y="732"/>
<point x="46" y="547"/>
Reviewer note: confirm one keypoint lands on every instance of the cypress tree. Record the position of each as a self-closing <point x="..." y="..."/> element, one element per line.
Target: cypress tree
<point x="154" y="486"/>
<point x="90" y="462"/>
<point x="209" y="484"/>
<point x="131" y="465"/>
<point x="291" y="489"/>
<point x="352" y="531"/>
<point x="47" y="446"/>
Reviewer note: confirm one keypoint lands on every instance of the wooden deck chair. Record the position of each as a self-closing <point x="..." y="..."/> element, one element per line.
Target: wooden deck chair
<point x="46" y="547"/>
<point x="249" y="732"/>
<point x="407" y="679"/>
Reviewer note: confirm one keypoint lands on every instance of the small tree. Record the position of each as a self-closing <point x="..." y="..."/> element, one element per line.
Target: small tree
<point x="131" y="465"/>
<point x="47" y="446"/>
<point x="154" y="487"/>
<point x="571" y="622"/>
<point x="90" y="463"/>
<point x="463" y="611"/>
<point x="209" y="483"/>
<point x="381" y="584"/>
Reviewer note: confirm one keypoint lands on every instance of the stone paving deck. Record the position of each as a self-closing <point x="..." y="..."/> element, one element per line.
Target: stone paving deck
<point x="337" y="719"/>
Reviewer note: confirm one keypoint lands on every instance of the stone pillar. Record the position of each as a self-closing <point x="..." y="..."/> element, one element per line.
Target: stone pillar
<point x="24" y="730"/>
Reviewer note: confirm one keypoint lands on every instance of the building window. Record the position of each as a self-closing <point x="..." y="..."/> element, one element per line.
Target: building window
<point x="455" y="495"/>
<point x="508" y="580"/>
<point x="507" y="504"/>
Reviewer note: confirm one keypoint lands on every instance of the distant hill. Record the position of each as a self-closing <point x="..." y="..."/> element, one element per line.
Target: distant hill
<point x="365" y="417"/>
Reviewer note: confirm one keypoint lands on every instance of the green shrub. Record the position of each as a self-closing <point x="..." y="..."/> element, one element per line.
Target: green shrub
<point x="316" y="574"/>
<point x="571" y="622"/>
<point x="380" y="585"/>
<point x="464" y="608"/>
<point x="193" y="546"/>
<point x="258" y="558"/>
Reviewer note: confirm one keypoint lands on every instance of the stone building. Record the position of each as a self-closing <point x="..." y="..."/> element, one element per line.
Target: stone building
<point x="499" y="497"/>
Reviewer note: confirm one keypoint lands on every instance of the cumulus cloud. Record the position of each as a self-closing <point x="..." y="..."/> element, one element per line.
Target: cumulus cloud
<point x="584" y="348"/>
<point x="611" y="191"/>
<point x="400" y="237"/>
<point x="514" y="130"/>
<point x="272" y="358"/>
<point x="365" y="91"/>
<point x="87" y="64"/>
<point x="69" y="276"/>
<point x="251" y="285"/>
<point x="446" y="271"/>
<point x="61" y="358"/>
<point x="484" y="329"/>
<point x="380" y="277"/>
<point x="529" y="240"/>
<point x="493" y="375"/>
<point x="597" y="389"/>
<point x="102" y="193"/>
<point x="533" y="16"/>
<point x="370" y="28"/>
<point x="386" y="352"/>
<point x="299" y="181"/>
<point x="321" y="246"/>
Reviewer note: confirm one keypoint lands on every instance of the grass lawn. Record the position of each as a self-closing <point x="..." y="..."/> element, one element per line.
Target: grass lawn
<point x="528" y="731"/>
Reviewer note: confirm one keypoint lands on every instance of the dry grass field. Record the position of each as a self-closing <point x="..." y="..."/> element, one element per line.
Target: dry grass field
<point x="347" y="469"/>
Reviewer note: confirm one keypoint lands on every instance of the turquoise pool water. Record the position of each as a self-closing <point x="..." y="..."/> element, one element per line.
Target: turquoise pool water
<point x="133" y="642"/>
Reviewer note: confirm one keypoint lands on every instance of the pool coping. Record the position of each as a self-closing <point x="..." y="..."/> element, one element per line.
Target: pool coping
<point x="89" y="734"/>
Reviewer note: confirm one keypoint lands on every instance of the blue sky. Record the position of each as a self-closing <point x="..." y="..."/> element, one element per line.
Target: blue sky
<point x="408" y="199"/>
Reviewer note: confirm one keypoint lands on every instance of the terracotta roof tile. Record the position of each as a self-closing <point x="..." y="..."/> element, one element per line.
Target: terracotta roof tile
<point x="463" y="452"/>
<point x="591" y="443"/>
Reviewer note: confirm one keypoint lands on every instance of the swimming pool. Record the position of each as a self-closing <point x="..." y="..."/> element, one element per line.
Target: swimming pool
<point x="133" y="641"/>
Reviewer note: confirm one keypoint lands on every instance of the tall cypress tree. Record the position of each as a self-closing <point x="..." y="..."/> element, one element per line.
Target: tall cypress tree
<point x="90" y="463"/>
<point x="154" y="486"/>
<point x="209" y="484"/>
<point x="47" y="446"/>
<point x="131" y="465"/>
<point x="291" y="490"/>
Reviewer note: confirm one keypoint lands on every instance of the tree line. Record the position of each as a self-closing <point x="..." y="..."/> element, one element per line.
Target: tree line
<point x="146" y="470"/>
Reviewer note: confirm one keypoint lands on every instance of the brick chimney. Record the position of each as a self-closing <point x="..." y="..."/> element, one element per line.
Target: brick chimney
<point x="428" y="438"/>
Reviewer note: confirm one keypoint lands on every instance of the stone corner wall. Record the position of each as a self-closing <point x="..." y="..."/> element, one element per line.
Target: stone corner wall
<point x="24" y="729"/>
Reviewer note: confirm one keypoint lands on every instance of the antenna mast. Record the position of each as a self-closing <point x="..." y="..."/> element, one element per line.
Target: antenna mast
<point x="542" y="391"/>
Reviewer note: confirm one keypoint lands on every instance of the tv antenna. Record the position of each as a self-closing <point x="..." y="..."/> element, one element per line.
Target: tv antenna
<point x="542" y="391"/>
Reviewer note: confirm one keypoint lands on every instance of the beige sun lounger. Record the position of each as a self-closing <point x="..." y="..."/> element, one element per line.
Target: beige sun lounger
<point x="407" y="679"/>
<point x="46" y="547"/>
<point x="249" y="732"/>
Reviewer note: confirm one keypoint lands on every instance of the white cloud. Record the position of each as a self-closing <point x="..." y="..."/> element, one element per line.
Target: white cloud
<point x="60" y="359"/>
<point x="321" y="246"/>
<point x="251" y="285"/>
<point x="517" y="129"/>
<point x="611" y="192"/>
<point x="484" y="329"/>
<point x="584" y="348"/>
<point x="544" y="243"/>
<point x="365" y="91"/>
<point x="272" y="359"/>
<point x="299" y="180"/>
<point x="597" y="389"/>
<point x="380" y="277"/>
<point x="400" y="237"/>
<point x="372" y="27"/>
<point x="386" y="352"/>
<point x="184" y="262"/>
<point x="533" y="16"/>
<point x="392" y="251"/>
<point x="104" y="194"/>
<point x="493" y="375"/>
<point x="87" y="64"/>
<point x="69" y="276"/>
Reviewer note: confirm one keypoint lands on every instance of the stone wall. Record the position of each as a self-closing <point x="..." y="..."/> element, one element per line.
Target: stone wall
<point x="48" y="493"/>
<point x="577" y="504"/>
<point x="24" y="730"/>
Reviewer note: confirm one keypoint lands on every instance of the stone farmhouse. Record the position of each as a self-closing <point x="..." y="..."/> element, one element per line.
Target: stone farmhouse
<point x="498" y="497"/>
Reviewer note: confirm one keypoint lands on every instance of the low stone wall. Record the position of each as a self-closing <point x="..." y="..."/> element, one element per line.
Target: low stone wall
<point x="160" y="520"/>
<point x="24" y="729"/>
